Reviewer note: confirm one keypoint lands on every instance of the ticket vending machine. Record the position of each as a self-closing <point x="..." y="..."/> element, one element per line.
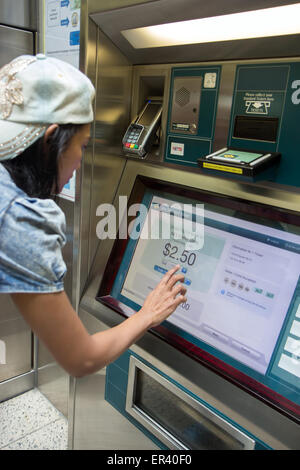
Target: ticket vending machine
<point x="242" y="316"/>
<point x="223" y="371"/>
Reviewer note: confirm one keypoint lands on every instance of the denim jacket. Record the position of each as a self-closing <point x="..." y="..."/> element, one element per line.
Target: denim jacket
<point x="32" y="235"/>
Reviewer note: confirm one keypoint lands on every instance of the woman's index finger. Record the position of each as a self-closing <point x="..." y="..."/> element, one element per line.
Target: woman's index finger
<point x="170" y="273"/>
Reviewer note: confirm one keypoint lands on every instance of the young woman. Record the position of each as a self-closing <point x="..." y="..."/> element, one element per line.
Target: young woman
<point x="46" y="111"/>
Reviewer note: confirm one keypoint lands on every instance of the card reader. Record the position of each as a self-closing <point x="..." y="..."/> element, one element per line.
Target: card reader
<point x="141" y="133"/>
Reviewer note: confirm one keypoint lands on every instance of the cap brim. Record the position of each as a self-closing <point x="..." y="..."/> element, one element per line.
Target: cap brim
<point x="15" y="137"/>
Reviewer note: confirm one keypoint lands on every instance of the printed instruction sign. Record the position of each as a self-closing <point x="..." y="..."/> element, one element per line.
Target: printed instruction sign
<point x="62" y="40"/>
<point x="62" y="29"/>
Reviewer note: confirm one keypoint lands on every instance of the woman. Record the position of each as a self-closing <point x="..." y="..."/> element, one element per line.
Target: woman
<point x="46" y="111"/>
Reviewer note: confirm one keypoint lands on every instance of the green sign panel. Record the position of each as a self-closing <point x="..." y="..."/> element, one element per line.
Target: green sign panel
<point x="266" y="115"/>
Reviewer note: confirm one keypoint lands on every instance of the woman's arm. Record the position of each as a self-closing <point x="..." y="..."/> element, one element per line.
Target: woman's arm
<point x="54" y="321"/>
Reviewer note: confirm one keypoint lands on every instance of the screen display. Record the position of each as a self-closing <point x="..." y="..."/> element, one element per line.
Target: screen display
<point x="242" y="274"/>
<point x="238" y="156"/>
<point x="149" y="114"/>
<point x="240" y="280"/>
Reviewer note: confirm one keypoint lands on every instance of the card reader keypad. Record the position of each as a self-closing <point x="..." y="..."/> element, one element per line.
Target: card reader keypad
<point x="132" y="138"/>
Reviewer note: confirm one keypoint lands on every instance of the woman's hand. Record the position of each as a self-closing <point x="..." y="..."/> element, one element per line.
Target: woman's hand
<point x="165" y="298"/>
<point x="52" y="318"/>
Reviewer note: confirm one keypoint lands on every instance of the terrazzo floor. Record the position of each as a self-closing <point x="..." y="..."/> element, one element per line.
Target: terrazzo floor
<point x="31" y="422"/>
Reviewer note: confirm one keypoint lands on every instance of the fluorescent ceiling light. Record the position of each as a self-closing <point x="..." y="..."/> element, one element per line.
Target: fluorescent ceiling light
<point x="268" y="22"/>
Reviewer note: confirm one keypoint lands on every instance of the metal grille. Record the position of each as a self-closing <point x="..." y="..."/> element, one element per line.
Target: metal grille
<point x="182" y="96"/>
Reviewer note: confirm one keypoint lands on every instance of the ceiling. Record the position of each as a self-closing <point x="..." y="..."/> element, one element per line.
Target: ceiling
<point x="112" y="22"/>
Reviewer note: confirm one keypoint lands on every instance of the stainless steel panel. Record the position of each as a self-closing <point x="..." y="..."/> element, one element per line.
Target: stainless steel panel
<point x="8" y="309"/>
<point x="16" y="376"/>
<point x="17" y="385"/>
<point x="224" y="105"/>
<point x="14" y="42"/>
<point x="97" y="425"/>
<point x="94" y="6"/>
<point x="17" y="338"/>
<point x="21" y="13"/>
<point x="88" y="65"/>
<point x="111" y="74"/>
<point x="51" y="379"/>
<point x="103" y="164"/>
<point x="53" y="382"/>
<point x="152" y="80"/>
<point x="107" y="173"/>
<point x="114" y="75"/>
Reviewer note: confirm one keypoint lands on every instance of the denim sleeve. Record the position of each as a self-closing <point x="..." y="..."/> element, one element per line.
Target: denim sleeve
<point x="32" y="236"/>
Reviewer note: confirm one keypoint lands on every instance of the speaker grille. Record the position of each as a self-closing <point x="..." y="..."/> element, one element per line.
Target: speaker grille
<point x="182" y="96"/>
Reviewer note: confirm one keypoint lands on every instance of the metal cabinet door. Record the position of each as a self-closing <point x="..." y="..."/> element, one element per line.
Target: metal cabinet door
<point x="14" y="332"/>
<point x="14" y="42"/>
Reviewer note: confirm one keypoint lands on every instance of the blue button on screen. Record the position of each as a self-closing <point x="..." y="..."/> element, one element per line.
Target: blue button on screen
<point x="75" y="38"/>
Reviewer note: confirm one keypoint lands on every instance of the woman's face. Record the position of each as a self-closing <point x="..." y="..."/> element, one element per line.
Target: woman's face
<point x="70" y="159"/>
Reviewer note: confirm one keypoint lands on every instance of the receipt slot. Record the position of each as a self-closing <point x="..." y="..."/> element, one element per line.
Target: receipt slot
<point x="141" y="133"/>
<point x="176" y="418"/>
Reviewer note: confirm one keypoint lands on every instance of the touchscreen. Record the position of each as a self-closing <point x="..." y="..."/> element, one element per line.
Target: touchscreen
<point x="240" y="275"/>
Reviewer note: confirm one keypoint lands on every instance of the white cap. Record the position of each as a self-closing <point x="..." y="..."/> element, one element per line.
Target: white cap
<point x="36" y="91"/>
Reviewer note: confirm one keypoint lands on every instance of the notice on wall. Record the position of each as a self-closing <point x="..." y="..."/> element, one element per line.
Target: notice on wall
<point x="62" y="41"/>
<point x="62" y="29"/>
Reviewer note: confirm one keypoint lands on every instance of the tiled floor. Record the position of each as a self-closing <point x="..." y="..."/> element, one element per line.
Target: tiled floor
<point x="31" y="422"/>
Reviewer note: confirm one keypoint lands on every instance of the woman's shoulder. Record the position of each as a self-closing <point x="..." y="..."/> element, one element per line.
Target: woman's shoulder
<point x="36" y="216"/>
<point x="44" y="211"/>
<point x="31" y="242"/>
<point x="16" y="206"/>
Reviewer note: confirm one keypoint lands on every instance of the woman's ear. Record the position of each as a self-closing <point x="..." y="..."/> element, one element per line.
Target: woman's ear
<point x="49" y="132"/>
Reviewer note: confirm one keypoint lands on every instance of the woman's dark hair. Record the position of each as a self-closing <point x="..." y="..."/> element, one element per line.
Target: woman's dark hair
<point x="35" y="171"/>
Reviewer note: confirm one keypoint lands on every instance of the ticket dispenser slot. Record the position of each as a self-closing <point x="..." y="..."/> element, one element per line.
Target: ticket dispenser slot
<point x="177" y="419"/>
<point x="142" y="132"/>
<point x="256" y="128"/>
<point x="265" y="116"/>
